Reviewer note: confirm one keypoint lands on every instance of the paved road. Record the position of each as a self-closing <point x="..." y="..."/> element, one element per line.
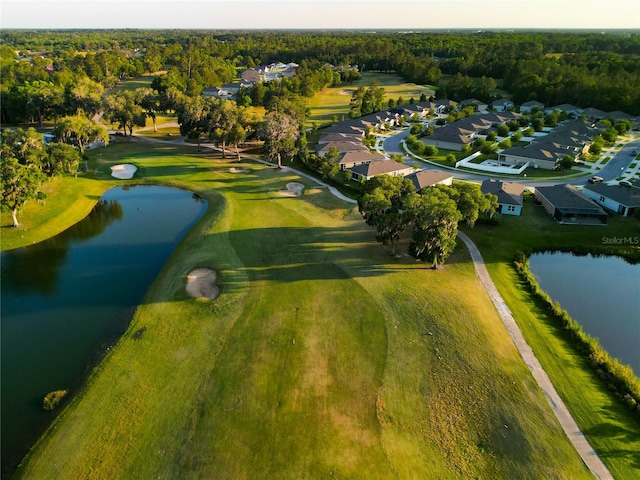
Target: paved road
<point x="569" y="425"/>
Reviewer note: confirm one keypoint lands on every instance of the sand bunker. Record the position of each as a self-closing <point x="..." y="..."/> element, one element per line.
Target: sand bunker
<point x="239" y="170"/>
<point x="201" y="283"/>
<point x="123" y="171"/>
<point x="294" y="189"/>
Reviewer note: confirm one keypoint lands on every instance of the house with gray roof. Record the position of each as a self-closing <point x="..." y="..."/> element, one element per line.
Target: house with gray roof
<point x="450" y="137"/>
<point x="594" y="114"/>
<point x="568" y="205"/>
<point x="369" y="170"/>
<point x="477" y="105"/>
<point x="618" y="198"/>
<point x="510" y="195"/>
<point x="530" y="106"/>
<point x="540" y="154"/>
<point x="570" y="110"/>
<point x="502" y="104"/>
<point x="429" y="178"/>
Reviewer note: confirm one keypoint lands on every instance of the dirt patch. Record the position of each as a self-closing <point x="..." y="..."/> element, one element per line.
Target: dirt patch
<point x="239" y="170"/>
<point x="201" y="283"/>
<point x="294" y="189"/>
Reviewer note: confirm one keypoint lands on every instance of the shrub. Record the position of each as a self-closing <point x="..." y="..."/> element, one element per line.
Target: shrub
<point x="416" y="129"/>
<point x="430" y="150"/>
<point x="506" y="143"/>
<point x="51" y="399"/>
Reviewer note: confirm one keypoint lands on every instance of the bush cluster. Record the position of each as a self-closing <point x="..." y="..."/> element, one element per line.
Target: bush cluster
<point x="617" y="377"/>
<point x="51" y="399"/>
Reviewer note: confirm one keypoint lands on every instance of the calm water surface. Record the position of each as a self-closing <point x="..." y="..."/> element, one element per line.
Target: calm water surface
<point x="65" y="300"/>
<point x="602" y="294"/>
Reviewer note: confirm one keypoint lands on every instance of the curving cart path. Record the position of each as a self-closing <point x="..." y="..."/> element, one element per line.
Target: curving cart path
<point x="569" y="425"/>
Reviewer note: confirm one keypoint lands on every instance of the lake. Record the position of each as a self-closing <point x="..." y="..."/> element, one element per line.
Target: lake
<point x="602" y="294"/>
<point x="66" y="300"/>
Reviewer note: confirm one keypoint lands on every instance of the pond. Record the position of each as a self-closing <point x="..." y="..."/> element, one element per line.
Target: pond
<point x="602" y="294"/>
<point x="67" y="299"/>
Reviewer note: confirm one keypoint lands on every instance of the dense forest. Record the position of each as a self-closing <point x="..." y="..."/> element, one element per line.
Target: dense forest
<point x="588" y="69"/>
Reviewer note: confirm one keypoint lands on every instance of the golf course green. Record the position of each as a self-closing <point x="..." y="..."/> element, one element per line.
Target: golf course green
<point x="322" y="356"/>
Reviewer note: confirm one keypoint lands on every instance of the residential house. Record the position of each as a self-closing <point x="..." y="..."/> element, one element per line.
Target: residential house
<point x="502" y="105"/>
<point x="251" y="75"/>
<point x="450" y="137"/>
<point x="570" y="110"/>
<point x="510" y="195"/>
<point x="539" y="154"/>
<point x="594" y="114"/>
<point x="351" y="159"/>
<point x="618" y="198"/>
<point x="339" y="137"/>
<point x="369" y="170"/>
<point x="342" y="147"/>
<point x="443" y="106"/>
<point x="531" y="106"/>
<point x="477" y="105"/>
<point x="429" y="178"/>
<point x="348" y="127"/>
<point x="568" y="205"/>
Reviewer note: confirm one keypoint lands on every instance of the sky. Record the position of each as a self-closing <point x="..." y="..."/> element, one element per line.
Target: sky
<point x="321" y="14"/>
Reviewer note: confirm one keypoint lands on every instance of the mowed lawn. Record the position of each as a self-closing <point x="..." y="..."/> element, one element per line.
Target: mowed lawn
<point x="323" y="357"/>
<point x="334" y="101"/>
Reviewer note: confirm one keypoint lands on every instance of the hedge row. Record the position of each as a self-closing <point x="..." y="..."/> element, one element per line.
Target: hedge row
<point x="618" y="378"/>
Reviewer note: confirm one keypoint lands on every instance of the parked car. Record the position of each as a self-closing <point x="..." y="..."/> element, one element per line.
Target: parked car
<point x="624" y="183"/>
<point x="595" y="179"/>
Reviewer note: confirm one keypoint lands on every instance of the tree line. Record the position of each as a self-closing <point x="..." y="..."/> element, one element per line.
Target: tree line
<point x="583" y="68"/>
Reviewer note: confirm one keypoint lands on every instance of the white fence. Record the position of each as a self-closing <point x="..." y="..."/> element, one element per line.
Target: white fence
<point x="493" y="166"/>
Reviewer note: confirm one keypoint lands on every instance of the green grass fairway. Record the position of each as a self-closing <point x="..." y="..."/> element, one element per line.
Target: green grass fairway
<point x="323" y="357"/>
<point x="334" y="101"/>
<point x="131" y="84"/>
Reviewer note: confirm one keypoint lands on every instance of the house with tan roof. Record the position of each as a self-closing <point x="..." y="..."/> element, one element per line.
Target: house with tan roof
<point x="429" y="178"/>
<point x="342" y="147"/>
<point x="351" y="159"/>
<point x="369" y="170"/>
